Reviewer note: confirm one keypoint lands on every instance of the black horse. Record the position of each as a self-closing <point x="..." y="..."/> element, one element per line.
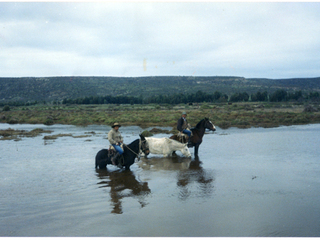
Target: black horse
<point x="197" y="134"/>
<point x="131" y="151"/>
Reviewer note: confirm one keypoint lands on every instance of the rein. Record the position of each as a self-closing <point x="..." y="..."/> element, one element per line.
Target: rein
<point x="137" y="154"/>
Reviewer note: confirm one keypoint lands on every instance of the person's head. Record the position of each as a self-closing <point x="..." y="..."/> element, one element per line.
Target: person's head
<point x="184" y="114"/>
<point x="116" y="126"/>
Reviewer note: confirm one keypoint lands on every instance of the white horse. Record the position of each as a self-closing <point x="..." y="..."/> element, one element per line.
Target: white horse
<point x="167" y="146"/>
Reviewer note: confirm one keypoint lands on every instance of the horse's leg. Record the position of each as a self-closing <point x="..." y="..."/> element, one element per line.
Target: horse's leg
<point x="103" y="163"/>
<point x="196" y="148"/>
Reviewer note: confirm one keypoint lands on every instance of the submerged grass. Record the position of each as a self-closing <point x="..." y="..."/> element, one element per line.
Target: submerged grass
<point x="242" y="115"/>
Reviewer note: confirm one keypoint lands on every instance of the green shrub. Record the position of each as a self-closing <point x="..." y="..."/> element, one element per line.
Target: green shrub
<point x="48" y="122"/>
<point x="146" y="133"/>
<point x="205" y="106"/>
<point x="224" y="124"/>
<point x="6" y="108"/>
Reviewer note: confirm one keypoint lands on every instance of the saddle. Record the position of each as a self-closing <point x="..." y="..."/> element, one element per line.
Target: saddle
<point x="182" y="137"/>
<point x="111" y="148"/>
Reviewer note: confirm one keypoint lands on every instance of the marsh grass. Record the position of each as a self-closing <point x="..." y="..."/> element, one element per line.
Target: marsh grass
<point x="242" y="115"/>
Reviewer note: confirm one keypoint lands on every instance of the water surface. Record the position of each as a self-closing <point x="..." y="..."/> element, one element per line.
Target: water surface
<point x="246" y="182"/>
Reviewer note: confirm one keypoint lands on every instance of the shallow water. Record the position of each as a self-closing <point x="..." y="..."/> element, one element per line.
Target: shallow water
<point x="246" y="182"/>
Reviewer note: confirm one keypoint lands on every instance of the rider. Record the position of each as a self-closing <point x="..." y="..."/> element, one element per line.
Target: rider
<point x="183" y="126"/>
<point x="115" y="139"/>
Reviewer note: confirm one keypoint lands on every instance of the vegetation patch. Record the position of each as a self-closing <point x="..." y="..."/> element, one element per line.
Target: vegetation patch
<point x="53" y="137"/>
<point x="11" y="134"/>
<point x="82" y="136"/>
<point x="223" y="115"/>
<point x="158" y="130"/>
<point x="146" y="133"/>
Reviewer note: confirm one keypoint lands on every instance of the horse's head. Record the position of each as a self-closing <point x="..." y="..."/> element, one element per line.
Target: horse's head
<point x="144" y="145"/>
<point x="209" y="125"/>
<point x="185" y="151"/>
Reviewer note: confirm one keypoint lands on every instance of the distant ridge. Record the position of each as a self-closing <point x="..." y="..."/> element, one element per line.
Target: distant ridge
<point x="72" y="87"/>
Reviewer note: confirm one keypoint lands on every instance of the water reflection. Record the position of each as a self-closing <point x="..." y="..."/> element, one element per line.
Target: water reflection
<point x="165" y="163"/>
<point x="123" y="184"/>
<point x="192" y="179"/>
<point x="195" y="181"/>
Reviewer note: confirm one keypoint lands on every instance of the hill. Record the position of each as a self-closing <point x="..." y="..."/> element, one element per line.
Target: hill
<point x="58" y="88"/>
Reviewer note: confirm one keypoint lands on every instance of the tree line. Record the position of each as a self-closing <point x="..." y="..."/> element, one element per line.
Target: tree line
<point x="280" y="95"/>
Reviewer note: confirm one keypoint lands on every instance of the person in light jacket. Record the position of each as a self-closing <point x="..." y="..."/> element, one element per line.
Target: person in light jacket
<point x="184" y="127"/>
<point x="115" y="139"/>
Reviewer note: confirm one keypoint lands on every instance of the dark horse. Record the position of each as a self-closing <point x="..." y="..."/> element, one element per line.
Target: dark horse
<point x="197" y="134"/>
<point x="131" y="151"/>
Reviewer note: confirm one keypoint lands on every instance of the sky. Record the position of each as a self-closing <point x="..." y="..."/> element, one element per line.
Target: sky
<point x="131" y="39"/>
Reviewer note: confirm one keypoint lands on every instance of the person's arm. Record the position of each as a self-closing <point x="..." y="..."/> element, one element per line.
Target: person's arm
<point x="121" y="139"/>
<point x="188" y="125"/>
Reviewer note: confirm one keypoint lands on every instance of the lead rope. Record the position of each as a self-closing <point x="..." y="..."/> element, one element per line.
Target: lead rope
<point x="138" y="155"/>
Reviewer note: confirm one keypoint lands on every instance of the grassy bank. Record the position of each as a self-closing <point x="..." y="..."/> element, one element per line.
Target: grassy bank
<point x="242" y="115"/>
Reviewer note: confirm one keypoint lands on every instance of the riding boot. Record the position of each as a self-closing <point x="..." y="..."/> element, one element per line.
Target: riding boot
<point x="120" y="162"/>
<point x="113" y="159"/>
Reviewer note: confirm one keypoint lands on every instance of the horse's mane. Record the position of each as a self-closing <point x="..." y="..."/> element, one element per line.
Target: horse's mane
<point x="134" y="143"/>
<point x="200" y="123"/>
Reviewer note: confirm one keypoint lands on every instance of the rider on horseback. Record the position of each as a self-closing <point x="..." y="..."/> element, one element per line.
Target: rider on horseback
<point x="184" y="127"/>
<point x="115" y="139"/>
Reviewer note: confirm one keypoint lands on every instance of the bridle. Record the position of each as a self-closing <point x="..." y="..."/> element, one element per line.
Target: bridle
<point x="144" y="145"/>
<point x="208" y="121"/>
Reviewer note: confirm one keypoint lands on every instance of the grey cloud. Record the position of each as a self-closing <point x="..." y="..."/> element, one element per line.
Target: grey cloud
<point x="108" y="38"/>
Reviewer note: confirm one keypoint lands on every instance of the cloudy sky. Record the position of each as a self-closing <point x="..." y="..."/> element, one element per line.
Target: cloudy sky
<point x="264" y="40"/>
